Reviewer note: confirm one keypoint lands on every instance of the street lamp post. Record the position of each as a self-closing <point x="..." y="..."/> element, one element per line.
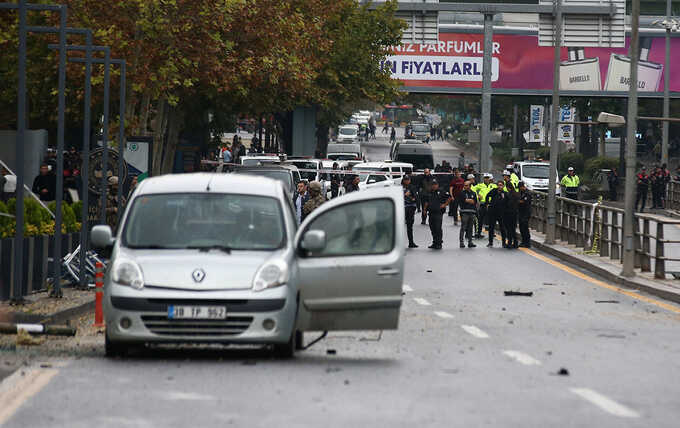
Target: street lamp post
<point x="631" y="155"/>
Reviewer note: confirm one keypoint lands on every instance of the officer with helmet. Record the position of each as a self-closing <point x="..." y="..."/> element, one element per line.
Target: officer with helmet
<point x="570" y="184"/>
<point x="482" y="189"/>
<point x="514" y="179"/>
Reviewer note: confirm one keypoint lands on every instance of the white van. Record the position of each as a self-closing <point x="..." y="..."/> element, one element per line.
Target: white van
<point x="348" y="134"/>
<point x="342" y="151"/>
<point x="535" y="175"/>
<point x="376" y="172"/>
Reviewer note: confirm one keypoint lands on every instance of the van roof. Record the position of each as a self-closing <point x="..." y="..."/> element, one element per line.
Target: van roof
<point x="202" y="182"/>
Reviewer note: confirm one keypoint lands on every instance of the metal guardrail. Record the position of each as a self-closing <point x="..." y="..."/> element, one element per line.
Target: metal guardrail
<point x="598" y="229"/>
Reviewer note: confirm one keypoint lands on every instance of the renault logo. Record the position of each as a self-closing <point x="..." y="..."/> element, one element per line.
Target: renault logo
<point x="198" y="275"/>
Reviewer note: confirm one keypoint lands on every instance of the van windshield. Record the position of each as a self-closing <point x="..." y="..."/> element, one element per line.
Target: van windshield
<point x="348" y="131"/>
<point x="536" y="171"/>
<point x="342" y="156"/>
<point x="197" y="220"/>
<point x="421" y="128"/>
<point x="418" y="161"/>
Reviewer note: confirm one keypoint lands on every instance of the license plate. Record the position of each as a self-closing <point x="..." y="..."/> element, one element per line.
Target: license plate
<point x="197" y="312"/>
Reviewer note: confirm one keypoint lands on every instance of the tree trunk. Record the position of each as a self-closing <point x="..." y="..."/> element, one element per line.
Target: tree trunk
<point x="146" y="104"/>
<point x="158" y="136"/>
<point x="176" y="120"/>
<point x="322" y="140"/>
<point x="131" y="70"/>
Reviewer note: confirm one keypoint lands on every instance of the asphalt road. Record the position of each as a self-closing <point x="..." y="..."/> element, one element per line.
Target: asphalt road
<point x="464" y="355"/>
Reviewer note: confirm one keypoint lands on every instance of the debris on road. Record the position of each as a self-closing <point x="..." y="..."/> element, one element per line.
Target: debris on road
<point x="607" y="301"/>
<point x="612" y="336"/>
<point x="562" y="372"/>
<point x="25" y="339"/>
<point x="333" y="369"/>
<point x="429" y="271"/>
<point x="518" y="293"/>
<point x="331" y="351"/>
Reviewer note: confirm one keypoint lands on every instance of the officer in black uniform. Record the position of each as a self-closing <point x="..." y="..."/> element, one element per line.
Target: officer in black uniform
<point x="410" y="197"/>
<point x="524" y="215"/>
<point x="435" y="206"/>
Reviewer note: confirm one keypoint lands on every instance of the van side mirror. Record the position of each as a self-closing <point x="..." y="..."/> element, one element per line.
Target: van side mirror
<point x="313" y="240"/>
<point x="101" y="236"/>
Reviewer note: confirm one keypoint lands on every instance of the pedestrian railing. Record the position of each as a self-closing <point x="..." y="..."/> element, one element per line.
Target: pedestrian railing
<point x="673" y="196"/>
<point x="598" y="229"/>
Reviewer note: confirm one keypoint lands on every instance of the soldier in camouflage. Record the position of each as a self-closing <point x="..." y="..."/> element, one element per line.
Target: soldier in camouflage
<point x="316" y="199"/>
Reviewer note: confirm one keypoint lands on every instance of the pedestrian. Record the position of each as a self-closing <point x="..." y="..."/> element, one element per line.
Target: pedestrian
<point x="524" y="214"/>
<point x="226" y="155"/>
<point x="44" y="185"/>
<point x="335" y="181"/>
<point x="353" y="185"/>
<point x="467" y="201"/>
<point x="385" y="128"/>
<point x="393" y="135"/>
<point x="461" y="161"/>
<point x="570" y="183"/>
<point x="613" y="180"/>
<point x="133" y="186"/>
<point x="482" y="189"/>
<point x="657" y="183"/>
<point x="435" y="206"/>
<point x="455" y="187"/>
<point x="425" y="188"/>
<point x="496" y="200"/>
<point x="510" y="218"/>
<point x="409" y="208"/>
<point x="642" y="189"/>
<point x="300" y="199"/>
<point x="315" y="199"/>
<point x="112" y="203"/>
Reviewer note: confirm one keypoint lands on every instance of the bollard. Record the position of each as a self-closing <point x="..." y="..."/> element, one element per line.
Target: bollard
<point x="99" y="291"/>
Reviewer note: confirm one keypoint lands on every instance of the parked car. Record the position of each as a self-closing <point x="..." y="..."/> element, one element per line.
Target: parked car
<point x="220" y="258"/>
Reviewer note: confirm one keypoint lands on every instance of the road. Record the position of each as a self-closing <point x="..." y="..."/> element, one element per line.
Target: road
<point x="464" y="355"/>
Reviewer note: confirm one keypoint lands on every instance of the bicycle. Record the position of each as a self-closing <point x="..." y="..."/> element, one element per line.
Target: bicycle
<point x="71" y="269"/>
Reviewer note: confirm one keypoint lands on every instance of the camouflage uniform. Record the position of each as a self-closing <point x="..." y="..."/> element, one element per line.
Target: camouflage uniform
<point x="316" y="200"/>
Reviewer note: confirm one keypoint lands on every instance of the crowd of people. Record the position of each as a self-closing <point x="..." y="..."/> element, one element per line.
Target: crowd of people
<point x="504" y="204"/>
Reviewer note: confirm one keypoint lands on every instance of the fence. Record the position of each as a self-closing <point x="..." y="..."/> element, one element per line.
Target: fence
<point x="598" y="229"/>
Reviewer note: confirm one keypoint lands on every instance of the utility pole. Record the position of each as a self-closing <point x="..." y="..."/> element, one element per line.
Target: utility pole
<point x="485" y="134"/>
<point x="666" y="89"/>
<point x="631" y="155"/>
<point x="554" y="147"/>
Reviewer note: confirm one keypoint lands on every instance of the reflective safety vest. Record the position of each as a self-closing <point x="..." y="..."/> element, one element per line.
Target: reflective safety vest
<point x="514" y="179"/>
<point x="482" y="189"/>
<point x="570" y="181"/>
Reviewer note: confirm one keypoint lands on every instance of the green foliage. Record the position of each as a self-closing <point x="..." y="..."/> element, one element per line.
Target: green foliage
<point x="543" y="153"/>
<point x="37" y="220"/>
<point x="572" y="159"/>
<point x="78" y="210"/>
<point x="594" y="164"/>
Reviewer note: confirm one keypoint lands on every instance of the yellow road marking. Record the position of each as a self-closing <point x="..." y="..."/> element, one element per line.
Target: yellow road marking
<point x="18" y="389"/>
<point x="603" y="284"/>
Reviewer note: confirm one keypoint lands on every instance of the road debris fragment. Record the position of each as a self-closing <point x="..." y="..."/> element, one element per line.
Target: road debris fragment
<point x="518" y="293"/>
<point x="607" y="301"/>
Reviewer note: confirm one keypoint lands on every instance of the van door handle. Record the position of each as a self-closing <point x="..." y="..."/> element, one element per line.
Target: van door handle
<point x="388" y="272"/>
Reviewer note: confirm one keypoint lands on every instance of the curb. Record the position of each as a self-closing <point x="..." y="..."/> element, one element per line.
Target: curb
<point x="62" y="316"/>
<point x="635" y="283"/>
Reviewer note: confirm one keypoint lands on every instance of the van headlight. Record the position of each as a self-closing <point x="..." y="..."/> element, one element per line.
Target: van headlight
<point x="127" y="272"/>
<point x="271" y="274"/>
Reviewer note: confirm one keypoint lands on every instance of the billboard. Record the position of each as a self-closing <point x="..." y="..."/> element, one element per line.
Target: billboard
<point x="519" y="64"/>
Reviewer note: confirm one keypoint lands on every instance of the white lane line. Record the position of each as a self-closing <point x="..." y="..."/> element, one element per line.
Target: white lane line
<point x="604" y="403"/>
<point x="444" y="315"/>
<point x="523" y="358"/>
<point x="476" y="332"/>
<point x="407" y="288"/>
<point x="16" y="389"/>
<point x="421" y="301"/>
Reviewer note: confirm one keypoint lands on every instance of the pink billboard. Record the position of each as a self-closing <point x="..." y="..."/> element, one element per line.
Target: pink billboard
<point x="518" y="63"/>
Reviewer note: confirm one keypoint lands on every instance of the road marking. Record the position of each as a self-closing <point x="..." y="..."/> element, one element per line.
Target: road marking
<point x="407" y="288"/>
<point x="421" y="301"/>
<point x="604" y="403"/>
<point x="476" y="332"/>
<point x="603" y="284"/>
<point x="17" y="389"/>
<point x="445" y="315"/>
<point x="523" y="358"/>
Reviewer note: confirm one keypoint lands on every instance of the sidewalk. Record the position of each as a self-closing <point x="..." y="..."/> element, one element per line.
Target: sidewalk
<point x="42" y="309"/>
<point x="609" y="269"/>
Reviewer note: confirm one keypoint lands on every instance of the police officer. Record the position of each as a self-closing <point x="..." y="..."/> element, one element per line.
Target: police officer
<point x="570" y="183"/>
<point x="467" y="201"/>
<point x="642" y="188"/>
<point x="496" y="201"/>
<point x="524" y="212"/>
<point x="482" y="189"/>
<point x="315" y="200"/>
<point x="409" y="208"/>
<point x="425" y="187"/>
<point x="435" y="206"/>
<point x="510" y="218"/>
<point x="514" y="179"/>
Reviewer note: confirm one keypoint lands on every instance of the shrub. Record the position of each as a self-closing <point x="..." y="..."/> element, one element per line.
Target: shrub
<point x="543" y="153"/>
<point x="78" y="210"/>
<point x="600" y="162"/>
<point x="574" y="160"/>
